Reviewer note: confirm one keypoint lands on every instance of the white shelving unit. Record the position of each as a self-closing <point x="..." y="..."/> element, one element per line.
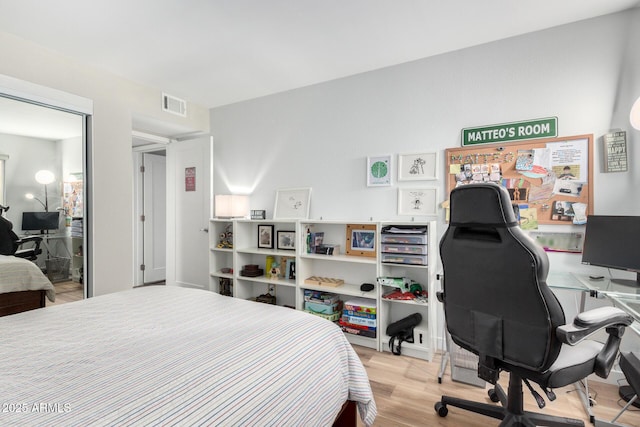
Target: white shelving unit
<point x="354" y="270"/>
<point x="390" y="311"/>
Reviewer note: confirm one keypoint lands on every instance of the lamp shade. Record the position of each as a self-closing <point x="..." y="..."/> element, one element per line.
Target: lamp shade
<point x="231" y="206"/>
<point x="634" y="116"/>
<point x="45" y="177"/>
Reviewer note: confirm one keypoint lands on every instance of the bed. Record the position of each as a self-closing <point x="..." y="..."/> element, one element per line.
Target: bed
<point x="23" y="286"/>
<point x="164" y="355"/>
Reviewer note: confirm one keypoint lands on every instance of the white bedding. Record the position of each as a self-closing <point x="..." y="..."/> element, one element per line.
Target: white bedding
<point x="173" y="356"/>
<point x="18" y="274"/>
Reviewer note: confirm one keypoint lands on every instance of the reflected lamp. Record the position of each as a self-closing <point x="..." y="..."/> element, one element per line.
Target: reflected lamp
<point x="231" y="206"/>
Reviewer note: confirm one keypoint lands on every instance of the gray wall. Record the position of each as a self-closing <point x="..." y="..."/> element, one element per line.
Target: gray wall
<point x="320" y="136"/>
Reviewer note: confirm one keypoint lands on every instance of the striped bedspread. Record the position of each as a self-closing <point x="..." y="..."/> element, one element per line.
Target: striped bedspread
<point x="18" y="274"/>
<point x="173" y="356"/>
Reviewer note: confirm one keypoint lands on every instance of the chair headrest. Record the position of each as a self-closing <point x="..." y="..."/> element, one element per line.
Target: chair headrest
<point x="481" y="204"/>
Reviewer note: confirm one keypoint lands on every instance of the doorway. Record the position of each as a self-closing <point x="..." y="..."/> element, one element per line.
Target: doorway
<point x="150" y="194"/>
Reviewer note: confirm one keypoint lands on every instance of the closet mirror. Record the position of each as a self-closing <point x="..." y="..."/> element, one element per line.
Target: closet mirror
<point x="42" y="184"/>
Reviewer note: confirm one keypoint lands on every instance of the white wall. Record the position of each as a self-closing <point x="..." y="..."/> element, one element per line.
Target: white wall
<point x="320" y="136"/>
<point x="116" y="103"/>
<point x="26" y="157"/>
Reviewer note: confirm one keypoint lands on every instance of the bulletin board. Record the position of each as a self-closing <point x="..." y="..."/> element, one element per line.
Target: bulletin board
<point x="549" y="180"/>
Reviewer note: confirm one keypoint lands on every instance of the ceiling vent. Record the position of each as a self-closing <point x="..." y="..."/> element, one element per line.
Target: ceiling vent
<point x="174" y="105"/>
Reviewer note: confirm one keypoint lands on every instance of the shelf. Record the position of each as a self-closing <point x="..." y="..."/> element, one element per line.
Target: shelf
<point x="353" y="270"/>
<point x="264" y="279"/>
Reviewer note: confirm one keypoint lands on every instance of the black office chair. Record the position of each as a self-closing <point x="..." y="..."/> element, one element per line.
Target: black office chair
<point x="10" y="244"/>
<point x="630" y="366"/>
<point x="497" y="305"/>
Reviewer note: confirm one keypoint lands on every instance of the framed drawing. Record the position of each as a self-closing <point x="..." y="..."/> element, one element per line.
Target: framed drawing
<point x="417" y="201"/>
<point x="292" y="203"/>
<point x="286" y="240"/>
<point x="417" y="167"/>
<point x="378" y="171"/>
<point x="265" y="236"/>
<point x="361" y="240"/>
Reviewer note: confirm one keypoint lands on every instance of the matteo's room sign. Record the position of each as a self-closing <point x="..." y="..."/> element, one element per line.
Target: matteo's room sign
<point x="516" y="131"/>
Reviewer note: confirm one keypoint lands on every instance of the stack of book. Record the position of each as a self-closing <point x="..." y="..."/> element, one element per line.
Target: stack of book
<point x="323" y="304"/>
<point x="359" y="317"/>
<point x="76" y="227"/>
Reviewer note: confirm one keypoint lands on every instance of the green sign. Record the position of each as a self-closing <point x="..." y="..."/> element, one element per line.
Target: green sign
<point x="532" y="129"/>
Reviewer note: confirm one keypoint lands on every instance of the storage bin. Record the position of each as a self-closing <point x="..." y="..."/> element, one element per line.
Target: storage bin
<point x="393" y="248"/>
<point x="405" y="239"/>
<point x="404" y="259"/>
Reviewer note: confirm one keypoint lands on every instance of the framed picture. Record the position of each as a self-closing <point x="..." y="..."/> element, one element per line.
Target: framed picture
<point x="417" y="167"/>
<point x="265" y="236"/>
<point x="417" y="201"/>
<point x="378" y="171"/>
<point x="286" y="240"/>
<point x="292" y="203"/>
<point x="361" y="240"/>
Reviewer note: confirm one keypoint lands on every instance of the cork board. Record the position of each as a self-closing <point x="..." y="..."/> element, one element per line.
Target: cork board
<point x="550" y="181"/>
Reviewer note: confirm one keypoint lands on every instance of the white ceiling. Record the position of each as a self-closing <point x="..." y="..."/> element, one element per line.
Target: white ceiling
<point x="216" y="52"/>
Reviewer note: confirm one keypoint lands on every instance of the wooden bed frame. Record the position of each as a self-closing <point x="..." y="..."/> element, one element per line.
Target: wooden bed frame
<point x="348" y="416"/>
<point x="17" y="302"/>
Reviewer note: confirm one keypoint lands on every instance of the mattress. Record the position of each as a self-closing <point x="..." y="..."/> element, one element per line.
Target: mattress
<point x="18" y="274"/>
<point x="163" y="355"/>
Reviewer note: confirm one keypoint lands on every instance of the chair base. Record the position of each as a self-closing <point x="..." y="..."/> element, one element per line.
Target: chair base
<point x="511" y="412"/>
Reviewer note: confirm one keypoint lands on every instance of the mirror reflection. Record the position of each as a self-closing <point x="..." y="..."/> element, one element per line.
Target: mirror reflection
<point x="42" y="182"/>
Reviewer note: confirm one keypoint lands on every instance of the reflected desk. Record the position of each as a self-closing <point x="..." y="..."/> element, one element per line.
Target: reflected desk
<point x="623" y="296"/>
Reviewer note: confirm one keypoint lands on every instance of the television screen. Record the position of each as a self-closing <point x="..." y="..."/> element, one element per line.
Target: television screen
<point x="612" y="241"/>
<point x="32" y="221"/>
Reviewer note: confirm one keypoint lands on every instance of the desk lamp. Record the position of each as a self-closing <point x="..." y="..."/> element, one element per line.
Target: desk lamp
<point x="231" y="206"/>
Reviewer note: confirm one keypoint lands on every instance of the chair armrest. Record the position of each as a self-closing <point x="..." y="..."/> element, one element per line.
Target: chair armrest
<point x="611" y="318"/>
<point x="589" y="322"/>
<point x="27" y="239"/>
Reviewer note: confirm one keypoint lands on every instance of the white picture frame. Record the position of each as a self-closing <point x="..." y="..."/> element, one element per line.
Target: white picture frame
<point x="417" y="201"/>
<point x="379" y="171"/>
<point x="292" y="203"/>
<point x="418" y="167"/>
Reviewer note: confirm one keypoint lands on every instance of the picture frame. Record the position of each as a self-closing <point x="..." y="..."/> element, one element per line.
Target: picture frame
<point x="292" y="203"/>
<point x="418" y="167"/>
<point x="286" y="240"/>
<point x="379" y="171"/>
<point x="265" y="236"/>
<point x="361" y="240"/>
<point x="417" y="201"/>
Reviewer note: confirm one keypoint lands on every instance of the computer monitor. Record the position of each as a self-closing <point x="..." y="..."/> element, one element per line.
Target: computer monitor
<point x="613" y="242"/>
<point x="32" y="221"/>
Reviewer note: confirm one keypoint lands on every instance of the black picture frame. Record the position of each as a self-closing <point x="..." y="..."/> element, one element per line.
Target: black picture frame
<point x="265" y="236"/>
<point x="286" y="240"/>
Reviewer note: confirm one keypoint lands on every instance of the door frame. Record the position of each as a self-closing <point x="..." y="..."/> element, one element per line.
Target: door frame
<point x="44" y="96"/>
<point x="156" y="143"/>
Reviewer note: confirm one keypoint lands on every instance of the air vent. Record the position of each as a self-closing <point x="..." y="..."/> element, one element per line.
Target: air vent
<point x="174" y="105"/>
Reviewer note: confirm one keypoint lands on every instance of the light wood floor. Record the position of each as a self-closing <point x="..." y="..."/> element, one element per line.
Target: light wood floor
<point x="67" y="292"/>
<point x="406" y="389"/>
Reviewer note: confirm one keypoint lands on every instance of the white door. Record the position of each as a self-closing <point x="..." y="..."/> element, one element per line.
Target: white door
<point x="189" y="207"/>
<point x="154" y="186"/>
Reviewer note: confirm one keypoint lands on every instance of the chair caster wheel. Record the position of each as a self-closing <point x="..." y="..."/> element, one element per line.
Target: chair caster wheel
<point x="439" y="380"/>
<point x="441" y="409"/>
<point x="493" y="395"/>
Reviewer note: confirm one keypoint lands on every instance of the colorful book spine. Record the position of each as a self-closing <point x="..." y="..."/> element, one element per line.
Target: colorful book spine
<point x="359" y="314"/>
<point x="355" y="320"/>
